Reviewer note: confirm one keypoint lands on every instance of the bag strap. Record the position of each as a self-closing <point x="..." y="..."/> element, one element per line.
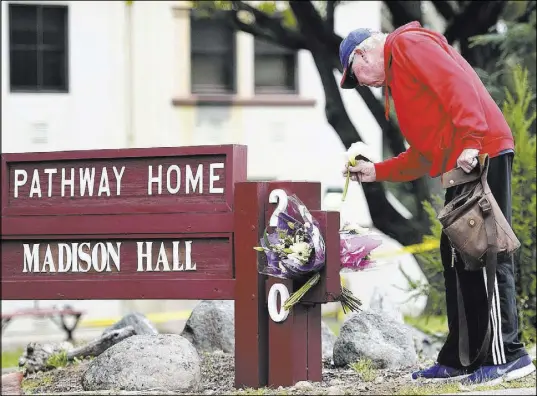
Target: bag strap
<point x="490" y="271"/>
<point x="484" y="162"/>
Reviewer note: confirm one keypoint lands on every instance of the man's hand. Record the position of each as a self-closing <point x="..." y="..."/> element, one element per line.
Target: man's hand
<point x="363" y="171"/>
<point x="468" y="159"/>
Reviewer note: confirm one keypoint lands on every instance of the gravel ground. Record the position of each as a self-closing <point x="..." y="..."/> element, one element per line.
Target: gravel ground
<point x="218" y="377"/>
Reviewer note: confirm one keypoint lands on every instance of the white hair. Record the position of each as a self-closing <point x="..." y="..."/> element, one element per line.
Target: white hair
<point x="372" y="42"/>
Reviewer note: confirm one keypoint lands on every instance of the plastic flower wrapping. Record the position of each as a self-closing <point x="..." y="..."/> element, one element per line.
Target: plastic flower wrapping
<point x="295" y="249"/>
<point x="355" y="246"/>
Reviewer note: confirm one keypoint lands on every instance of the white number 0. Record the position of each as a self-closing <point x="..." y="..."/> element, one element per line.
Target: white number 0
<point x="280" y="197"/>
<point x="277" y="315"/>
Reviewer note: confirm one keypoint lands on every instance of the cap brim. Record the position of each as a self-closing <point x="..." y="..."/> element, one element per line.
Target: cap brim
<point x="348" y="81"/>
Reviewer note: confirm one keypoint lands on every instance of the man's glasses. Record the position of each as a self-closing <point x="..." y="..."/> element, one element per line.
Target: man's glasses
<point x="350" y="73"/>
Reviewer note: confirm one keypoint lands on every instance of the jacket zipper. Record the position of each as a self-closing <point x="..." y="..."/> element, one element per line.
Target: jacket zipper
<point x="453" y="256"/>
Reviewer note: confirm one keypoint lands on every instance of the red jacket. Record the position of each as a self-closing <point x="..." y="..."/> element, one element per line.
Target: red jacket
<point x="441" y="104"/>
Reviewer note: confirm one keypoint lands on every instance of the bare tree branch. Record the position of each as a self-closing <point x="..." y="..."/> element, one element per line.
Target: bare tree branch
<point x="272" y="26"/>
<point x="476" y="18"/>
<point x="330" y="11"/>
<point x="444" y="8"/>
<point x="404" y="12"/>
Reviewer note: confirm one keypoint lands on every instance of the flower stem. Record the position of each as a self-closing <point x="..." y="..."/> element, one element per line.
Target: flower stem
<point x="297" y="296"/>
<point x="348" y="301"/>
<point x="346" y="185"/>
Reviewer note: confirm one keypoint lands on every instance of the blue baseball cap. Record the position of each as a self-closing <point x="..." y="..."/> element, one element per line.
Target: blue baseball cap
<point x="347" y="46"/>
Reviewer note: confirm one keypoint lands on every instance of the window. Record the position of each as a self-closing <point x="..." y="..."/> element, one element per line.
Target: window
<point x="38" y="48"/>
<point x="275" y="68"/>
<point x="212" y="43"/>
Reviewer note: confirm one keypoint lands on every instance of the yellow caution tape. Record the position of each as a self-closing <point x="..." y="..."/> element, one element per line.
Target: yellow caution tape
<point x="412" y="249"/>
<point x="158" y="317"/>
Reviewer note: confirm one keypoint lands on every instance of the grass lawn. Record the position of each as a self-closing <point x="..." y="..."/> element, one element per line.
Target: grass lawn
<point x="10" y="358"/>
<point x="429" y="325"/>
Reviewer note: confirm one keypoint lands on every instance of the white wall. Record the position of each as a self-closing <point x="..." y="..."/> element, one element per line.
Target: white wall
<point x="91" y="115"/>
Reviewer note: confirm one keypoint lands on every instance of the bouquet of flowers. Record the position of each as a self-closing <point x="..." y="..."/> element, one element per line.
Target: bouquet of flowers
<point x="295" y="250"/>
<point x="355" y="246"/>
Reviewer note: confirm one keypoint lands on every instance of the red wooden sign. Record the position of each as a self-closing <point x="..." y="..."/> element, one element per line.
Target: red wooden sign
<point x="145" y="223"/>
<point x="162" y="223"/>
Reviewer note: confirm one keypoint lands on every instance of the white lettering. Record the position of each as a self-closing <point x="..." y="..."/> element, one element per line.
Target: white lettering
<point x="74" y="250"/>
<point x="70" y="182"/>
<point x="162" y="259"/>
<point x="31" y="258"/>
<point x="104" y="186"/>
<point x="36" y="187"/>
<point x="103" y="256"/>
<point x="151" y="180"/>
<point x="114" y="254"/>
<point x="99" y="263"/>
<point x="118" y="179"/>
<point x="194" y="181"/>
<point x="50" y="172"/>
<point x="213" y="178"/>
<point x="64" y="248"/>
<point x="48" y="261"/>
<point x="189" y="265"/>
<point x="84" y="256"/>
<point x="175" y="254"/>
<point x="175" y="189"/>
<point x="146" y="256"/>
<point x="86" y="181"/>
<point x="19" y="182"/>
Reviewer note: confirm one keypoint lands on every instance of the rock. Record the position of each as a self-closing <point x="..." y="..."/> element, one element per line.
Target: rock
<point x="424" y="345"/>
<point x="334" y="390"/>
<point x="11" y="384"/>
<point x="303" y="385"/>
<point x="36" y="355"/>
<point x="387" y="343"/>
<point x="140" y="324"/>
<point x="382" y="303"/>
<point x="165" y="362"/>
<point x="211" y="326"/>
<point x="328" y="340"/>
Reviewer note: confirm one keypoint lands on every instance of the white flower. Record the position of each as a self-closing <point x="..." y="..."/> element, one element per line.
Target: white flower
<point x="300" y="251"/>
<point x="357" y="149"/>
<point x="348" y="227"/>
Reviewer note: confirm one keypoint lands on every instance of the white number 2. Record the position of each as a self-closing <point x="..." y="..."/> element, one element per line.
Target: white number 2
<point x="275" y="313"/>
<point x="280" y="197"/>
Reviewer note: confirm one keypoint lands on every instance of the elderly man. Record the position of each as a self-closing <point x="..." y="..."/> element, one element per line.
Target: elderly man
<point x="448" y="118"/>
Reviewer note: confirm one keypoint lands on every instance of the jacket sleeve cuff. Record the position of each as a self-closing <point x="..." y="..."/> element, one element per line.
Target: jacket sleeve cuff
<point x="382" y="171"/>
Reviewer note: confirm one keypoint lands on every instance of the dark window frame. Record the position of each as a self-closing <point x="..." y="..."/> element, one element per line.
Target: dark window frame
<point x="39" y="49"/>
<point x="230" y="53"/>
<point x="263" y="49"/>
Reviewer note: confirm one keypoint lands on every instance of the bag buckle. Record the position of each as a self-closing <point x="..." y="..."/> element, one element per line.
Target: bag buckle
<point x="485" y="205"/>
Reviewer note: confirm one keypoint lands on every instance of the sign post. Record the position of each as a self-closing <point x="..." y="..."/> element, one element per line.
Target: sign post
<point x="164" y="223"/>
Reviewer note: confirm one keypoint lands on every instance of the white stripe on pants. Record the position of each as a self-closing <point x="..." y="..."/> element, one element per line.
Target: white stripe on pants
<point x="497" y="349"/>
